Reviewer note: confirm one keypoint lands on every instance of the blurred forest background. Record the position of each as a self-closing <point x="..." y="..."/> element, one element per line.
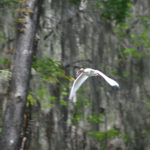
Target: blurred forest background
<point x="42" y="45"/>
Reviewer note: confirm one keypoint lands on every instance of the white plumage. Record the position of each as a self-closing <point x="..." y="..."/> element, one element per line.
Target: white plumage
<point x="88" y="72"/>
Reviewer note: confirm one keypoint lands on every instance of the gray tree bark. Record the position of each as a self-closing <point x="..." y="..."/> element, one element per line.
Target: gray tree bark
<point x="13" y="118"/>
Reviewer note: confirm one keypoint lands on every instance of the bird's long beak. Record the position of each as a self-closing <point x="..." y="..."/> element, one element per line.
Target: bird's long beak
<point x="78" y="72"/>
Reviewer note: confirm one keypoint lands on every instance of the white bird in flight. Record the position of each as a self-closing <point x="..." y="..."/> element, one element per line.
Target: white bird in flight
<point x="88" y="72"/>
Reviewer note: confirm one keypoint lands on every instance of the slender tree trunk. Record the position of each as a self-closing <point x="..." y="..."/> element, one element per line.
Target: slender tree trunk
<point x="13" y="119"/>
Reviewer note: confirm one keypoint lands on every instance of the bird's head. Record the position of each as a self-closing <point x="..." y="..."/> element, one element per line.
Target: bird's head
<point x="80" y="70"/>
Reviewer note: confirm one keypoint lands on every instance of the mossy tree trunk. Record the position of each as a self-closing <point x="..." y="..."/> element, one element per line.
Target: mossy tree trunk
<point x="13" y="119"/>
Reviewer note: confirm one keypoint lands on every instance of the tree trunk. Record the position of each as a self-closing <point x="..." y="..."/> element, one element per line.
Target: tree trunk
<point x="13" y="119"/>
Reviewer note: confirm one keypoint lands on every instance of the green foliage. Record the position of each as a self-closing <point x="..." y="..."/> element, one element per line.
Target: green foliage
<point x="96" y="118"/>
<point x="138" y="39"/>
<point x="50" y="70"/>
<point x="4" y="61"/>
<point x="126" y="74"/>
<point x="30" y="100"/>
<point x="52" y="98"/>
<point x="114" y="10"/>
<point x="148" y="105"/>
<point x="77" y="117"/>
<point x="9" y="2"/>
<point x="41" y="95"/>
<point x="145" y="20"/>
<point x="63" y="102"/>
<point x="82" y="103"/>
<point x="5" y="6"/>
<point x="3" y="37"/>
<point x="133" y="52"/>
<point x="48" y="105"/>
<point x="142" y="39"/>
<point x="126" y="137"/>
<point x="78" y="111"/>
<point x="114" y="72"/>
<point x="64" y="93"/>
<point x="101" y="136"/>
<point x="121" y="30"/>
<point x="88" y="104"/>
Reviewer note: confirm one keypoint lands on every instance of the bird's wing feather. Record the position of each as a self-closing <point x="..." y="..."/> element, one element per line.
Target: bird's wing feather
<point x="77" y="83"/>
<point x="108" y="80"/>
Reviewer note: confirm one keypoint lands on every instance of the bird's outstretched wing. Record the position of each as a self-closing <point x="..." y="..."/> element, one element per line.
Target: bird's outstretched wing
<point x="77" y="83"/>
<point x="108" y="80"/>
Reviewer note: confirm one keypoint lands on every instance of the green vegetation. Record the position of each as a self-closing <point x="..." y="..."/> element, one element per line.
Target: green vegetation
<point x="9" y="2"/>
<point x="111" y="10"/>
<point x="114" y="10"/>
<point x="133" y="52"/>
<point x="139" y="40"/>
<point x="7" y="6"/>
<point x="50" y="70"/>
<point x="96" y="118"/>
<point x="4" y="62"/>
<point x="101" y="136"/>
<point x="132" y="46"/>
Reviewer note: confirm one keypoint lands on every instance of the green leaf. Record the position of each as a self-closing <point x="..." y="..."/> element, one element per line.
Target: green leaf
<point x="129" y="50"/>
<point x="133" y="52"/>
<point x="50" y="70"/>
<point x="96" y="119"/>
<point x="88" y="104"/>
<point x="126" y="74"/>
<point x="3" y="37"/>
<point x="133" y="36"/>
<point x="52" y="98"/>
<point x="101" y="136"/>
<point x="63" y="102"/>
<point x="64" y="93"/>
